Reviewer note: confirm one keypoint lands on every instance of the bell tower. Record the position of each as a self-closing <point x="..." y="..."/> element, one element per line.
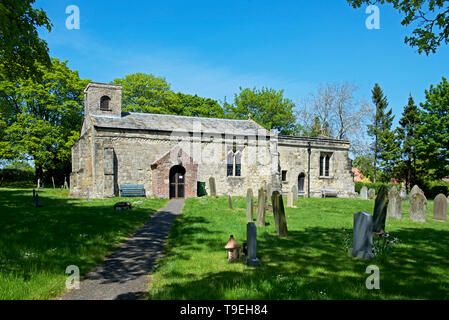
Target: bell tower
<point x="103" y="99"/>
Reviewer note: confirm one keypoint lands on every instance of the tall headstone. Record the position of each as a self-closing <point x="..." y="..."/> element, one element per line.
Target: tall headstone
<point x="251" y="240"/>
<point x="380" y="210"/>
<point x="249" y="206"/>
<point x="440" y="208"/>
<point x="404" y="194"/>
<point x="415" y="190"/>
<point x="394" y="210"/>
<point x="364" y="193"/>
<point x="279" y="214"/>
<point x="261" y="208"/>
<point x="371" y="193"/>
<point x="231" y="204"/>
<point x="418" y="207"/>
<point x="213" y="190"/>
<point x="290" y="199"/>
<point x="295" y="193"/>
<point x="363" y="236"/>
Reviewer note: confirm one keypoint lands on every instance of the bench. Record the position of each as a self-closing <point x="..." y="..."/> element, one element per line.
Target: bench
<point x="329" y="192"/>
<point x="132" y="190"/>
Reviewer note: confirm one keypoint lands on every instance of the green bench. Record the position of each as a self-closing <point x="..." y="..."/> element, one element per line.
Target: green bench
<point x="132" y="190"/>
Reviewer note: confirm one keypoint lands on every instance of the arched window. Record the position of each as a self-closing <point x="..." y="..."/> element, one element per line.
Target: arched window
<point x="234" y="164"/>
<point x="238" y="164"/>
<point x="104" y="103"/>
<point x="325" y="159"/>
<point x="230" y="162"/>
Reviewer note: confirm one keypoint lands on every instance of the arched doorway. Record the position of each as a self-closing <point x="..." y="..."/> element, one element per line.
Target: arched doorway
<point x="177" y="182"/>
<point x="301" y="180"/>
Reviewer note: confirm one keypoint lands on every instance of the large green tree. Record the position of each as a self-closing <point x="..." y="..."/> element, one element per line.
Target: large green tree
<point x="267" y="107"/>
<point x="430" y="16"/>
<point x="20" y="45"/>
<point x="42" y="119"/>
<point x="433" y="130"/>
<point x="195" y="106"/>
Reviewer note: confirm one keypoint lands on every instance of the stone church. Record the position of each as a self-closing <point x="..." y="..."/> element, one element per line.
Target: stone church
<point x="170" y="156"/>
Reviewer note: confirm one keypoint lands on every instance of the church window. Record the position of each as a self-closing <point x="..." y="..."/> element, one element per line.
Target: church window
<point x="234" y="164"/>
<point x="104" y="103"/>
<point x="325" y="159"/>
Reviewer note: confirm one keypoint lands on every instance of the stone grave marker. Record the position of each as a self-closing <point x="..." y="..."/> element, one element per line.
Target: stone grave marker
<point x="371" y="193"/>
<point x="418" y="207"/>
<point x="394" y="210"/>
<point x="213" y="190"/>
<point x="251" y="239"/>
<point x="364" y="193"/>
<point x="363" y="236"/>
<point x="88" y="193"/>
<point x="279" y="214"/>
<point x="290" y="200"/>
<point x="404" y="194"/>
<point x="261" y="208"/>
<point x="249" y="206"/>
<point x="415" y="190"/>
<point x="380" y="210"/>
<point x="295" y="193"/>
<point x="440" y="208"/>
<point x="231" y="204"/>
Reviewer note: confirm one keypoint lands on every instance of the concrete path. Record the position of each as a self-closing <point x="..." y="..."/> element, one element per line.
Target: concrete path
<point x="124" y="274"/>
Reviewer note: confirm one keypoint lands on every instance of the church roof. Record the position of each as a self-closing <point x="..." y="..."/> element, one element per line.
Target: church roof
<point x="170" y="123"/>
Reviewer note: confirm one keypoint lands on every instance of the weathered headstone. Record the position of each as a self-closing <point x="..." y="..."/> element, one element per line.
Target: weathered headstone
<point x="440" y="208"/>
<point x="213" y="190"/>
<point x="415" y="190"/>
<point x="251" y="239"/>
<point x="231" y="204"/>
<point x="261" y="208"/>
<point x="364" y="193"/>
<point x="249" y="206"/>
<point x="363" y="236"/>
<point x="371" y="193"/>
<point x="394" y="210"/>
<point x="418" y="207"/>
<point x="290" y="200"/>
<point x="295" y="193"/>
<point x="404" y="194"/>
<point x="380" y="210"/>
<point x="279" y="214"/>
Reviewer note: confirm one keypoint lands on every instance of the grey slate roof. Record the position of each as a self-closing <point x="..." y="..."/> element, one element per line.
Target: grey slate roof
<point x="162" y="122"/>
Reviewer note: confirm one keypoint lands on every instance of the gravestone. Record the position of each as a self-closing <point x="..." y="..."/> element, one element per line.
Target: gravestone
<point x="231" y="204"/>
<point x="213" y="190"/>
<point x="261" y="208"/>
<point x="394" y="210"/>
<point x="279" y="214"/>
<point x="404" y="194"/>
<point x="38" y="184"/>
<point x="290" y="200"/>
<point x="53" y="180"/>
<point x="380" y="210"/>
<point x="364" y="193"/>
<point x="295" y="193"/>
<point x="249" y="206"/>
<point x="440" y="208"/>
<point x="363" y="236"/>
<point x="418" y="207"/>
<point x="251" y="239"/>
<point x="415" y="190"/>
<point x="371" y="193"/>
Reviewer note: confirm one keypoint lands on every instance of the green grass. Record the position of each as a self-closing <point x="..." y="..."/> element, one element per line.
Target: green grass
<point x="37" y="244"/>
<point x="310" y="264"/>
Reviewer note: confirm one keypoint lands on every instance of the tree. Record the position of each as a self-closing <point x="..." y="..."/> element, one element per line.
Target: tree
<point x="194" y="106"/>
<point x="267" y="107"/>
<point x="20" y="45"/>
<point x="433" y="131"/>
<point x="365" y="165"/>
<point x="43" y="118"/>
<point x="431" y="16"/>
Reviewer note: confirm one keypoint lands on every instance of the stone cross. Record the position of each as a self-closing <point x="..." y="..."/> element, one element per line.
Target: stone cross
<point x="251" y="239"/>
<point x="261" y="208"/>
<point x="249" y="206"/>
<point x="364" y="193"/>
<point x="363" y="236"/>
<point x="231" y="204"/>
<point x="440" y="208"/>
<point x="380" y="210"/>
<point x="418" y="207"/>
<point x="394" y="210"/>
<point x="371" y="193"/>
<point x="213" y="190"/>
<point x="295" y="193"/>
<point x="279" y="214"/>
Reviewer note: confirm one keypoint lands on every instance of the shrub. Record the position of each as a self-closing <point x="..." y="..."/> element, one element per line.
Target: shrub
<point x="375" y="186"/>
<point x="434" y="188"/>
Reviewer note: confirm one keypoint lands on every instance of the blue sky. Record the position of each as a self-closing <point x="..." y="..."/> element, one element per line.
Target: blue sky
<point x="211" y="48"/>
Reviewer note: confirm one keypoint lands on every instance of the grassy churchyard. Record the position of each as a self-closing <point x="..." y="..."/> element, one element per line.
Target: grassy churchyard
<point x="38" y="244"/>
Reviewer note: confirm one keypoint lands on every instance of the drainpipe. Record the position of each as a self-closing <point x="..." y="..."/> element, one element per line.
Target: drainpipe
<point x="309" y="150"/>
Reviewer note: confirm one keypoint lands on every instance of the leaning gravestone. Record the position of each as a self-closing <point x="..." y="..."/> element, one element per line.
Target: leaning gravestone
<point x="231" y="204"/>
<point x="380" y="210"/>
<point x="394" y="210"/>
<point x="404" y="194"/>
<point x="418" y="207"/>
<point x="249" y="206"/>
<point x="364" y="193"/>
<point x="261" y="208"/>
<point x="251" y="240"/>
<point x="279" y="214"/>
<point x="295" y="193"/>
<point x="213" y="190"/>
<point x="363" y="236"/>
<point x="440" y="208"/>
<point x="371" y="193"/>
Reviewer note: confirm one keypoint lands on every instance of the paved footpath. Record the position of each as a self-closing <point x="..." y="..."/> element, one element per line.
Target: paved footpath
<point x="124" y="274"/>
